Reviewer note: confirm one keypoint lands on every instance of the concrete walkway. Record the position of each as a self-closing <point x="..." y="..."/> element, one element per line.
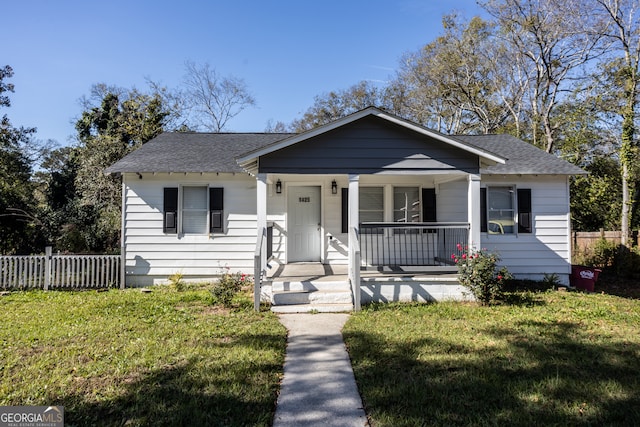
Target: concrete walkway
<point x="318" y="388"/>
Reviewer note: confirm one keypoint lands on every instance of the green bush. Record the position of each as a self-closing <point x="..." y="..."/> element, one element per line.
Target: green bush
<point x="603" y="254"/>
<point x="176" y="282"/>
<point x="627" y="261"/>
<point x="226" y="288"/>
<point x="611" y="257"/>
<point x="478" y="272"/>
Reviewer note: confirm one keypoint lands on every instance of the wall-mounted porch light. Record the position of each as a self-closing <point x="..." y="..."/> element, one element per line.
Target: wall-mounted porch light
<point x="334" y="187"/>
<point x="278" y="187"/>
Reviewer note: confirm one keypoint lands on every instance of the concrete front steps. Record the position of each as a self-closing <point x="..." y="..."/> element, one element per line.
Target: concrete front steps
<point x="311" y="296"/>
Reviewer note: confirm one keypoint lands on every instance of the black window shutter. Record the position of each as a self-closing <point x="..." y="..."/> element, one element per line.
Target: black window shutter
<point x="345" y="210"/>
<point x="483" y="210"/>
<point x="524" y="211"/>
<point x="429" y="205"/>
<point x="170" y="221"/>
<point x="216" y="209"/>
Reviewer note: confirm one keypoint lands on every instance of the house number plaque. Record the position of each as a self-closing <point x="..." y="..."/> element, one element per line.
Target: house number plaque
<point x="304" y="199"/>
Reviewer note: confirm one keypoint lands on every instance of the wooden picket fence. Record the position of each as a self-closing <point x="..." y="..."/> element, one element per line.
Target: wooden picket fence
<point x="60" y="271"/>
<point x="582" y="241"/>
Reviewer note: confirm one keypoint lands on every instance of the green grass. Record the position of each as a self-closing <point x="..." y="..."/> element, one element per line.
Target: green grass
<point x="130" y="358"/>
<point x="546" y="359"/>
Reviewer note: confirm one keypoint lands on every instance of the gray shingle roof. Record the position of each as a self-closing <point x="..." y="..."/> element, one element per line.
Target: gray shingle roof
<point x="217" y="152"/>
<point x="522" y="157"/>
<point x="193" y="152"/>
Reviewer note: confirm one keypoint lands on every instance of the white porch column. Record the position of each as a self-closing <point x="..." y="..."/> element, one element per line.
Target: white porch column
<point x="473" y="210"/>
<point x="261" y="227"/>
<point x="261" y="210"/>
<point x="354" y="198"/>
<point x="354" y="247"/>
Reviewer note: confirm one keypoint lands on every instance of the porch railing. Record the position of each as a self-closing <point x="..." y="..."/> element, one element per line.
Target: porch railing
<point x="411" y="244"/>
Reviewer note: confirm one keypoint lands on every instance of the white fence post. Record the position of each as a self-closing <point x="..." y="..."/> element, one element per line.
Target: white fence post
<point x="47" y="267"/>
<point x="122" y="272"/>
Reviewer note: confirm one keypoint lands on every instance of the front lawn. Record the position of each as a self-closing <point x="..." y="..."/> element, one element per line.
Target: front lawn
<point x="131" y="358"/>
<point x="554" y="358"/>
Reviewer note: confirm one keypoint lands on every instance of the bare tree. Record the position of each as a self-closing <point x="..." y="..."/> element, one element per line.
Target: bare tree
<point x="458" y="82"/>
<point x="335" y="104"/>
<point x="275" y="127"/>
<point x="214" y="99"/>
<point x="550" y="43"/>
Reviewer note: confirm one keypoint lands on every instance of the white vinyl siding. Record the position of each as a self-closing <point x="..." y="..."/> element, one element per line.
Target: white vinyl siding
<point x="152" y="255"/>
<point x="548" y="249"/>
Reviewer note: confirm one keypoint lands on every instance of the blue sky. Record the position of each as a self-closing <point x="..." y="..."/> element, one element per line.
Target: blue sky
<point x="286" y="51"/>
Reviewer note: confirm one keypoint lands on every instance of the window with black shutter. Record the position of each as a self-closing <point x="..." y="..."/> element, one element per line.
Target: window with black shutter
<point x="429" y="205"/>
<point x="483" y="210"/>
<point x="345" y="210"/>
<point x="170" y="209"/>
<point x="216" y="209"/>
<point x="525" y="223"/>
<point x="524" y="212"/>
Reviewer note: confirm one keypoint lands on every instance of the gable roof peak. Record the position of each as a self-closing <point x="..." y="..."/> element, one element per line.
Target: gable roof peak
<point x="248" y="161"/>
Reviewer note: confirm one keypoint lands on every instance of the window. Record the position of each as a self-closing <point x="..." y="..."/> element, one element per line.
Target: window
<point x="500" y="215"/>
<point x="194" y="210"/>
<point x="498" y="212"/>
<point x="371" y="204"/>
<point x="200" y="212"/>
<point x="406" y="204"/>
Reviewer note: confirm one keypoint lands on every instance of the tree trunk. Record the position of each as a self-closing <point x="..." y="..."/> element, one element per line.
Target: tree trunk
<point x="627" y="158"/>
<point x="627" y="203"/>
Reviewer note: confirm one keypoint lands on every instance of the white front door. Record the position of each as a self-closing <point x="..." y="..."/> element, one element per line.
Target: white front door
<point x="303" y="243"/>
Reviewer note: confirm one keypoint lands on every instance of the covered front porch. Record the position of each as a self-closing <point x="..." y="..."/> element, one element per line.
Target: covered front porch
<point x="372" y="193"/>
<point x="359" y="261"/>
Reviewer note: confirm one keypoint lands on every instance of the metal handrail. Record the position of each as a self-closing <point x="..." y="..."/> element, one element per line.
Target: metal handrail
<point x="389" y="244"/>
<point x="426" y="225"/>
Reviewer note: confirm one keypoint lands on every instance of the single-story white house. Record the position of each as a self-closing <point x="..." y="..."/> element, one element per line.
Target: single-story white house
<point x="370" y="191"/>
